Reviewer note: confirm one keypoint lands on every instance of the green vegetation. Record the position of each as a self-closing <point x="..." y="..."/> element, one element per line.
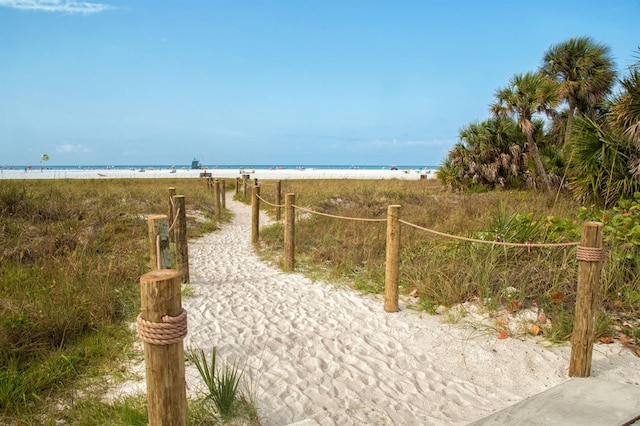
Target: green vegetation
<point x="590" y="146"/>
<point x="223" y="384"/>
<point x="71" y="254"/>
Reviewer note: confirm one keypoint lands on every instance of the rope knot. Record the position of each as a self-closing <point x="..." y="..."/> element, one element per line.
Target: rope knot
<point x="590" y="254"/>
<point x="171" y="330"/>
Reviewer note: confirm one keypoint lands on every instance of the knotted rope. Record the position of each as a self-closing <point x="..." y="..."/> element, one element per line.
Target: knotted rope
<point x="590" y="254"/>
<point x="171" y="330"/>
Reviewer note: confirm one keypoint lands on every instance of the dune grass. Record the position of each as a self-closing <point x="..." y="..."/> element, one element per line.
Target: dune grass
<point x="71" y="254"/>
<point x="440" y="271"/>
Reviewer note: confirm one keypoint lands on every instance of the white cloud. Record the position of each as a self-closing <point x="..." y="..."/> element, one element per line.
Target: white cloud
<point x="66" y="6"/>
<point x="69" y="148"/>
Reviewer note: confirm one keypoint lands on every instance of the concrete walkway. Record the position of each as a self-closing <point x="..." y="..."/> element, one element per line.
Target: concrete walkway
<point x="581" y="402"/>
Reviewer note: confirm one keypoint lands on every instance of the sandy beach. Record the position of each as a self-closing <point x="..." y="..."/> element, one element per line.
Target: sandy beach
<point x="313" y="350"/>
<point x="226" y="173"/>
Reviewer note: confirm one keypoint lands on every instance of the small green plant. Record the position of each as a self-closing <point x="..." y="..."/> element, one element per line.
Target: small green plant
<point x="222" y="383"/>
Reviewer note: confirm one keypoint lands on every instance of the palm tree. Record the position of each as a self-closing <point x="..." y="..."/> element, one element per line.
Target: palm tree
<point x="604" y="163"/>
<point x="488" y="154"/>
<point x="526" y="95"/>
<point x="625" y="108"/>
<point x="585" y="71"/>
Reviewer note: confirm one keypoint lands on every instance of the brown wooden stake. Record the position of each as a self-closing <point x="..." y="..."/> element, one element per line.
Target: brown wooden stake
<point x="217" y="202"/>
<point x="393" y="259"/>
<point x="278" y="200"/>
<point x="159" y="248"/>
<point x="223" y="190"/>
<point x="289" y="232"/>
<point x="182" y="248"/>
<point x="164" y="364"/>
<point x="172" y="192"/>
<point x="237" y="185"/>
<point x="245" y="178"/>
<point x="589" y="275"/>
<point x="255" y="215"/>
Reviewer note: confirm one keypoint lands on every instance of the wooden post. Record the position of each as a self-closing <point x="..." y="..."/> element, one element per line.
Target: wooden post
<point x="289" y="232"/>
<point x="159" y="249"/>
<point x="590" y="256"/>
<point x="393" y="259"/>
<point x="217" y="203"/>
<point x="278" y="200"/>
<point x="255" y="182"/>
<point x="223" y="194"/>
<point x="255" y="215"/>
<point x="172" y="192"/>
<point x="237" y="185"/>
<point x="182" y="248"/>
<point x="164" y="362"/>
<point x="244" y="186"/>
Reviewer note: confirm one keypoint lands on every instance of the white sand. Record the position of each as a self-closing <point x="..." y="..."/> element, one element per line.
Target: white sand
<point x="37" y="173"/>
<point x="314" y="351"/>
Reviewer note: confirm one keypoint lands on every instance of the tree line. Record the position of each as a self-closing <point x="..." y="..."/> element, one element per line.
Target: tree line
<point x="558" y="127"/>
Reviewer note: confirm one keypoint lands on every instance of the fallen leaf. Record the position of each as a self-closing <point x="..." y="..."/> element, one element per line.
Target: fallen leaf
<point x="502" y="321"/>
<point x="535" y="330"/>
<point x="557" y="298"/>
<point x="638" y="352"/>
<point x="503" y="334"/>
<point x="515" y="306"/>
<point x="542" y="319"/>
<point x="624" y="339"/>
<point x="606" y="340"/>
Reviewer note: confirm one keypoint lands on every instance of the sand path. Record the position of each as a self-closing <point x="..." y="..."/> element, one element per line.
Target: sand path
<point x="313" y="350"/>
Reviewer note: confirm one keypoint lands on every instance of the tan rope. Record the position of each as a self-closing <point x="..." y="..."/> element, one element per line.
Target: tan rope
<point x="442" y="234"/>
<point x="495" y="243"/>
<point x="590" y="254"/>
<point x="175" y="220"/>
<point x="171" y="330"/>
<point x="357" y="219"/>
<point x="268" y="203"/>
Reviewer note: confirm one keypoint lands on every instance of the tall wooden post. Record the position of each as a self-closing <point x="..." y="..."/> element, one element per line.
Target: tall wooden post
<point x="255" y="215"/>
<point x="163" y="356"/>
<point x="289" y="232"/>
<point x="159" y="248"/>
<point x="590" y="257"/>
<point x="278" y="200"/>
<point x="172" y="192"/>
<point x="223" y="195"/>
<point x="245" y="178"/>
<point x="216" y="195"/>
<point x="182" y="248"/>
<point x="393" y="259"/>
<point x="237" y="185"/>
<point x="255" y="182"/>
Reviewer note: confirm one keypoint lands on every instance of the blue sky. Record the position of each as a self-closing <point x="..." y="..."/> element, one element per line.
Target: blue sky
<point x="279" y="82"/>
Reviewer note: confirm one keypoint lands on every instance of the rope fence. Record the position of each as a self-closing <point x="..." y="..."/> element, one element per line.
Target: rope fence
<point x="589" y="254"/>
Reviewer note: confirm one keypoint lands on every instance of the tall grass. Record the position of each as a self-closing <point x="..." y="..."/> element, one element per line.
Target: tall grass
<point x="71" y="254"/>
<point x="222" y="382"/>
<point x="438" y="270"/>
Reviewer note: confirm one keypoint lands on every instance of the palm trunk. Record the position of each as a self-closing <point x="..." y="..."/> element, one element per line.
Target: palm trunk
<point x="533" y="148"/>
<point x="567" y="130"/>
